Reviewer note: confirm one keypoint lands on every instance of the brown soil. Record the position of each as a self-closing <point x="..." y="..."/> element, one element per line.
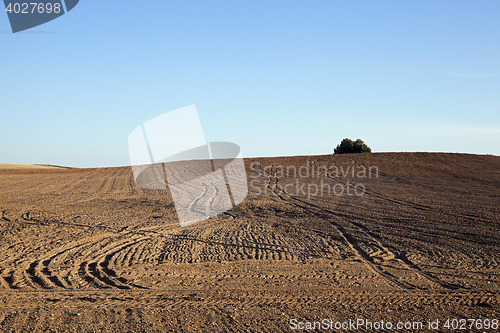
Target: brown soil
<point x="86" y="250"/>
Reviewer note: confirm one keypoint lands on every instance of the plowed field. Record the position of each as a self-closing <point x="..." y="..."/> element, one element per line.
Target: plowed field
<point x="398" y="237"/>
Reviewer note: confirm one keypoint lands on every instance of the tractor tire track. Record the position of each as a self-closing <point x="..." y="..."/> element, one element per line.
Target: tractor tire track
<point x="352" y="241"/>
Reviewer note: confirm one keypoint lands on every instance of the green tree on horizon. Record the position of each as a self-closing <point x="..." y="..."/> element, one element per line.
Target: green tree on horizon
<point x="347" y="146"/>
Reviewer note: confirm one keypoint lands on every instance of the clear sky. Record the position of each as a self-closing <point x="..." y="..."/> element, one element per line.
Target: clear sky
<point x="276" y="77"/>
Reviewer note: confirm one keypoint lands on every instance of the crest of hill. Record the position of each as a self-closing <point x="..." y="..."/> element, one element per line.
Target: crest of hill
<point x="30" y="166"/>
<point x="391" y="163"/>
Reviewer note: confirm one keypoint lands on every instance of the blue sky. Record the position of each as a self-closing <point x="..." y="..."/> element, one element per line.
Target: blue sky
<point x="276" y="77"/>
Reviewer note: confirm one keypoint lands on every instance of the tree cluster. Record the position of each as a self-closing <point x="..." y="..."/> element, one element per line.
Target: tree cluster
<point x="347" y="146"/>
